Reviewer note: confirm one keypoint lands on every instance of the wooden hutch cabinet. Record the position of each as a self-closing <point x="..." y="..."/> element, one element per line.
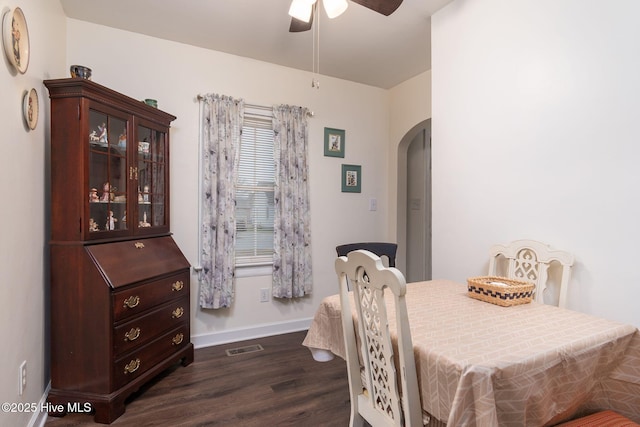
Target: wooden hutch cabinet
<point x="119" y="283"/>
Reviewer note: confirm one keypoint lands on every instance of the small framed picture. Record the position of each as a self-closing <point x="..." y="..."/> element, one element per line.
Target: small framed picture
<point x="333" y="142"/>
<point x="351" y="178"/>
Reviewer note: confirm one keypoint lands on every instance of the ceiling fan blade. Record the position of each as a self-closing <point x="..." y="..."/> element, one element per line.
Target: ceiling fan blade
<point x="385" y="7"/>
<point x="298" y="26"/>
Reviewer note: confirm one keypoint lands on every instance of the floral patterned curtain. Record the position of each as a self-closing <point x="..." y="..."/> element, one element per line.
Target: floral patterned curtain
<point x="292" y="237"/>
<point x="222" y="125"/>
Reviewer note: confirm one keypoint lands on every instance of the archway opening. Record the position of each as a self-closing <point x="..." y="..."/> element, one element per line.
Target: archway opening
<point x="414" y="203"/>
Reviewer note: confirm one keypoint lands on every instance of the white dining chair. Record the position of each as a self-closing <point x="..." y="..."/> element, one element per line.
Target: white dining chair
<point x="530" y="260"/>
<point x="373" y="386"/>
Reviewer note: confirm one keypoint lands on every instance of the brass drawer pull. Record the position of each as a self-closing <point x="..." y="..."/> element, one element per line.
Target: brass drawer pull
<point x="177" y="286"/>
<point x="132" y="301"/>
<point x="177" y="340"/>
<point x="132" y="335"/>
<point x="132" y="366"/>
<point x="139" y="245"/>
<point x="177" y="313"/>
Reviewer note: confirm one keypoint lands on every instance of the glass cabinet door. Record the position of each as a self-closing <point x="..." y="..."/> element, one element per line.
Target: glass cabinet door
<point x="151" y="172"/>
<point x="108" y="177"/>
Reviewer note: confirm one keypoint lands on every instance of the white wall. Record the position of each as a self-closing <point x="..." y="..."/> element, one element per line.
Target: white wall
<point x="174" y="73"/>
<point x="535" y="112"/>
<point x="23" y="223"/>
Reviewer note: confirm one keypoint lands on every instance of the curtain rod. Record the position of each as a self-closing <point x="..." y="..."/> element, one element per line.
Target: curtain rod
<point x="259" y="107"/>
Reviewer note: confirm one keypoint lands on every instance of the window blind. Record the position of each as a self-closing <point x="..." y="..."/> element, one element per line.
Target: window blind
<point x="255" y="190"/>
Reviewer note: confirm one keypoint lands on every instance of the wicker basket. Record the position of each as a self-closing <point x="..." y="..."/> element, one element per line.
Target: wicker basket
<point x="500" y="290"/>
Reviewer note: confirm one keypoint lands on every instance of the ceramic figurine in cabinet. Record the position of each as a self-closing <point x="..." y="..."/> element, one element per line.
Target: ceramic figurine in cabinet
<point x="144" y="222"/>
<point x="93" y="226"/>
<point x="106" y="192"/>
<point x="145" y="194"/>
<point x="122" y="140"/>
<point x="102" y="137"/>
<point x="111" y="221"/>
<point x="93" y="196"/>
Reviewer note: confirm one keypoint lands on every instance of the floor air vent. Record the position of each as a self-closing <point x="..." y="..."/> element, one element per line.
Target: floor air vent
<point x="244" y="350"/>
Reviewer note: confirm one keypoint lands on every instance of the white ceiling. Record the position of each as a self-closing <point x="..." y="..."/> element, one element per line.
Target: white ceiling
<point x="360" y="45"/>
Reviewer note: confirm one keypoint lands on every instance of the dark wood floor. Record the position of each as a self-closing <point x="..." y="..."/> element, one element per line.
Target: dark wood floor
<point x="279" y="386"/>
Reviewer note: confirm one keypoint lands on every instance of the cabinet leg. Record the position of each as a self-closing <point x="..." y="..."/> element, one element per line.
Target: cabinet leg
<point x="56" y="408"/>
<point x="188" y="357"/>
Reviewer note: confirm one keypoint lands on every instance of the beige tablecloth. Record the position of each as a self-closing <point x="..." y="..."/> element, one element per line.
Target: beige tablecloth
<point x="481" y="364"/>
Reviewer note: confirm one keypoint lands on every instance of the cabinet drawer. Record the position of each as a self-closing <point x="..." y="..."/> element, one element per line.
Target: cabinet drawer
<point x="145" y="328"/>
<point x="131" y="366"/>
<point x="137" y="299"/>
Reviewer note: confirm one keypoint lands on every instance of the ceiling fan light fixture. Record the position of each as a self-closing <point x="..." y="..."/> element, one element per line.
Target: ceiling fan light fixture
<point x="335" y="8"/>
<point x="301" y="9"/>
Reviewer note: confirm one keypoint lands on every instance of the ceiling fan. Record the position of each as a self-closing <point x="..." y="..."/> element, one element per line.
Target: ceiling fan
<point x="301" y="11"/>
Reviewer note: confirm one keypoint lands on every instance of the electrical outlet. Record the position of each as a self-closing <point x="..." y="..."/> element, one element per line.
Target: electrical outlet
<point x="264" y="295"/>
<point x="23" y="377"/>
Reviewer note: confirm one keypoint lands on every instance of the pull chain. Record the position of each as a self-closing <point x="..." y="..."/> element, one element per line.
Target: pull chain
<point x="315" y="83"/>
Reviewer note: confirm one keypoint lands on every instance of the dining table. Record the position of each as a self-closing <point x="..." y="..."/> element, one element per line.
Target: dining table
<point x="482" y="364"/>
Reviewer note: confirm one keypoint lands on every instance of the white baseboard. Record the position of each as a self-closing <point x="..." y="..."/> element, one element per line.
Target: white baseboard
<point x="235" y="335"/>
<point x="39" y="417"/>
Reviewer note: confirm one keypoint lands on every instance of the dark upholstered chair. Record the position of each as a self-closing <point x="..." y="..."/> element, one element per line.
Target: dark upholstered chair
<point x="379" y="248"/>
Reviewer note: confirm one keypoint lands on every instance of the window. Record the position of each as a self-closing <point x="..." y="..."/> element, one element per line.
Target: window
<point x="254" y="191"/>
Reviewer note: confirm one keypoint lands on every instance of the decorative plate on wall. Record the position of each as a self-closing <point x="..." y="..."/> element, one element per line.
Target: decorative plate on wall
<point x="15" y="37"/>
<point x="30" y="108"/>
